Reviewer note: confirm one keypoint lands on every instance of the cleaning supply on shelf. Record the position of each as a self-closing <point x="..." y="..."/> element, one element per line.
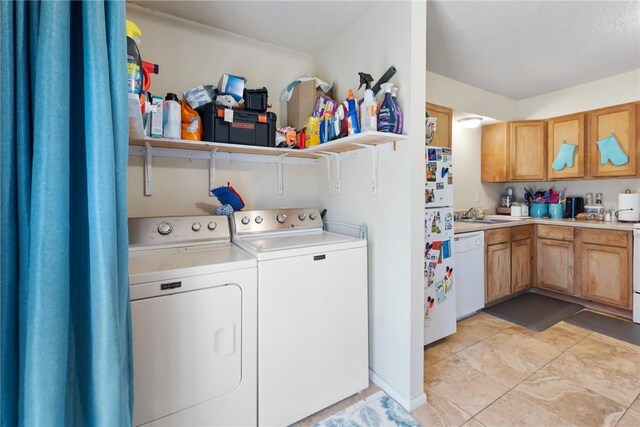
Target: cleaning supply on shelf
<point x="328" y="127"/>
<point x="352" y="115"/>
<point x="134" y="60"/>
<point x="324" y="104"/>
<point x="232" y="85"/>
<point x="199" y="96"/>
<point x="399" y="118"/>
<point x="172" y="116"/>
<point x="368" y="112"/>
<point x="191" y="123"/>
<point x="156" y="116"/>
<point x="312" y="131"/>
<point x="387" y="119"/>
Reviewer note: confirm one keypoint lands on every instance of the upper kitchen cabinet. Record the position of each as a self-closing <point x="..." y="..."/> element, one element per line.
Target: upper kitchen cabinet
<point x="527" y="151"/>
<point x="612" y="141"/>
<point x="442" y="137"/>
<point x="494" y="156"/>
<point x="566" y="147"/>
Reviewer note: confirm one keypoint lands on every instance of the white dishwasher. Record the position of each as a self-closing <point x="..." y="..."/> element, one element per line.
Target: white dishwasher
<point x="468" y="249"/>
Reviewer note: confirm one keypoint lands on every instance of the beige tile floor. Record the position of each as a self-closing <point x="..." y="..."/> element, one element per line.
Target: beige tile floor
<point x="494" y="373"/>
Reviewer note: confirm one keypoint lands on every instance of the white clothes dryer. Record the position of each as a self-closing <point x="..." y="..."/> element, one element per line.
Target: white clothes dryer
<point x="194" y="320"/>
<point x="312" y="312"/>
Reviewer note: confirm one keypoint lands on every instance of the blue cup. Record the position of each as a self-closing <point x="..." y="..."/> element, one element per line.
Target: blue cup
<point x="556" y="210"/>
<point x="538" y="210"/>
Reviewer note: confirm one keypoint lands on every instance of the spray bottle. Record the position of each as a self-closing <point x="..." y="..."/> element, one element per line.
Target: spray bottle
<point x="387" y="119"/>
<point x="399" y="119"/>
<point x="352" y="115"/>
<point x="369" y="112"/>
<point x="134" y="60"/>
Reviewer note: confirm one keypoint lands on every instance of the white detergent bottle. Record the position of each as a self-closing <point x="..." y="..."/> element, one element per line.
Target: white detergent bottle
<point x="172" y="117"/>
<point x="387" y="114"/>
<point x="399" y="119"/>
<point x="368" y="112"/>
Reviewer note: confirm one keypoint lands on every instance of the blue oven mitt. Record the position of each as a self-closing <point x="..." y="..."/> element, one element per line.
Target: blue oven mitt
<point x="610" y="151"/>
<point x="564" y="157"/>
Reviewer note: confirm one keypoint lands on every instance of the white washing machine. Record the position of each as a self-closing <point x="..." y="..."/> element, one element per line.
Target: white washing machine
<point x="312" y="312"/>
<point x="194" y="318"/>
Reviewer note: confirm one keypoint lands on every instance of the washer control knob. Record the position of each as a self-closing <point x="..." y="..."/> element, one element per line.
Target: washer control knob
<point x="165" y="228"/>
<point x="302" y="217"/>
<point x="258" y="219"/>
<point x="196" y="226"/>
<point x="281" y="218"/>
<point x="212" y="225"/>
<point x="313" y="216"/>
<point x="245" y="220"/>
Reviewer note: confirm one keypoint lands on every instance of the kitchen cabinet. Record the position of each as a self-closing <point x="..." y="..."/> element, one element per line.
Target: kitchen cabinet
<point x="621" y="121"/>
<point x="522" y="259"/>
<point x="494" y="153"/>
<point x="569" y="129"/>
<point x="514" y="151"/>
<point x="509" y="260"/>
<point x="442" y="137"/>
<point x="527" y="151"/>
<point x="606" y="266"/>
<point x="554" y="258"/>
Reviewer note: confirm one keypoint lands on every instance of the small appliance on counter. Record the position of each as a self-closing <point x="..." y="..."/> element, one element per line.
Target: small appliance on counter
<point x="573" y="206"/>
<point x="505" y="202"/>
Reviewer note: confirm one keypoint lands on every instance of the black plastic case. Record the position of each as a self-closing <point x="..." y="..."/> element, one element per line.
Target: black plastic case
<point x="247" y="127"/>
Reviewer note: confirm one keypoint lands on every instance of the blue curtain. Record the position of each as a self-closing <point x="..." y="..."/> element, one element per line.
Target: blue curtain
<point x="65" y="355"/>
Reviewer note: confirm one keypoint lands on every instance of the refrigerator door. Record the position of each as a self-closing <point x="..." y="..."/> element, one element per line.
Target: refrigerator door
<point x="438" y="189"/>
<point x="439" y="278"/>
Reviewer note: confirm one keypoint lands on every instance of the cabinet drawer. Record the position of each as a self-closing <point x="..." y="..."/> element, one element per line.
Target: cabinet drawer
<point x="499" y="235"/>
<point x="556" y="232"/>
<point x="521" y="232"/>
<point x="605" y="237"/>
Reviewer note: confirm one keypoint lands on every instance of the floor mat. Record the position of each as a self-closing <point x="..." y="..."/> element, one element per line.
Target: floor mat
<point x="377" y="410"/>
<point x="534" y="311"/>
<point x="609" y="326"/>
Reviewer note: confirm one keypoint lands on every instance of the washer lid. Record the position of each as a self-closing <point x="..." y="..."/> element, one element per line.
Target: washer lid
<point x="288" y="244"/>
<point x="169" y="263"/>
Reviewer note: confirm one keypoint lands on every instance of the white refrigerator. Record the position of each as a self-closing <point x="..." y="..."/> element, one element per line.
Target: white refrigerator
<point x="439" y="276"/>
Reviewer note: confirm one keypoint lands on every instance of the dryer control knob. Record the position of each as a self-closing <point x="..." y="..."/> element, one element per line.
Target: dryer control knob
<point x="281" y="218"/>
<point x="313" y="216"/>
<point x="302" y="217"/>
<point x="165" y="228"/>
<point x="245" y="220"/>
<point x="212" y="225"/>
<point x="196" y="226"/>
<point x="258" y="220"/>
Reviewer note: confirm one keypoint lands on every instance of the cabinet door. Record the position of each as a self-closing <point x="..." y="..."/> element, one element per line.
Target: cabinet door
<point x="527" y="151"/>
<point x="498" y="282"/>
<point x="569" y="129"/>
<point x="494" y="158"/>
<point x="606" y="275"/>
<point x="555" y="265"/>
<point x="521" y="265"/>
<point x="621" y="121"/>
<point x="442" y="137"/>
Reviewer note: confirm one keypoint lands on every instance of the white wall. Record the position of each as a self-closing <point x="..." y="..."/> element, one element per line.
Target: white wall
<point x="190" y="54"/>
<point x="613" y="90"/>
<point x="395" y="215"/>
<point x="468" y="191"/>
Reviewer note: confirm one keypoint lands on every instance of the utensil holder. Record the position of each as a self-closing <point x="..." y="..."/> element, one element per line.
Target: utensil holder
<point x="556" y="210"/>
<point x="539" y="210"/>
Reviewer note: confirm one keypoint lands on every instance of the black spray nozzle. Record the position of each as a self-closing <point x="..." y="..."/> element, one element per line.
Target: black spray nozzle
<point x="366" y="80"/>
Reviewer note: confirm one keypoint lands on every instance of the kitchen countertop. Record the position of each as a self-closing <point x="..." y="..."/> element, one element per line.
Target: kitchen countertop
<point x="466" y="227"/>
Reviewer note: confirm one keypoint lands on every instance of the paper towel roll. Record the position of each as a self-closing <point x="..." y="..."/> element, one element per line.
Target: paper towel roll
<point x="629" y="201"/>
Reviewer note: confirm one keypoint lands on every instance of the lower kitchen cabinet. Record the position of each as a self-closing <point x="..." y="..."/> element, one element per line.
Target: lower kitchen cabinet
<point x="555" y="265"/>
<point x="521" y="265"/>
<point x="498" y="276"/>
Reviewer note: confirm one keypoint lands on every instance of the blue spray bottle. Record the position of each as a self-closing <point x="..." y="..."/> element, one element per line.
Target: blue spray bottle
<point x="352" y="115"/>
<point x="387" y="119"/>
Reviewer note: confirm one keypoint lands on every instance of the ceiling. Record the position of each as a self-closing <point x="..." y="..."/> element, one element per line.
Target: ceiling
<point x="521" y="49"/>
<point x="308" y="24"/>
<point x="514" y="48"/>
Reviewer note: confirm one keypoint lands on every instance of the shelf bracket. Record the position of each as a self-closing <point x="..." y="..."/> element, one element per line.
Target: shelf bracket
<point x="375" y="155"/>
<point x="148" y="169"/>
<point x="327" y="162"/>
<point x="212" y="171"/>
<point x="280" y="177"/>
<point x="338" y="158"/>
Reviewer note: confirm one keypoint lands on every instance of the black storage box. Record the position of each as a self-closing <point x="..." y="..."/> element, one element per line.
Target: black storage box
<point x="246" y="127"/>
<point x="256" y="99"/>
